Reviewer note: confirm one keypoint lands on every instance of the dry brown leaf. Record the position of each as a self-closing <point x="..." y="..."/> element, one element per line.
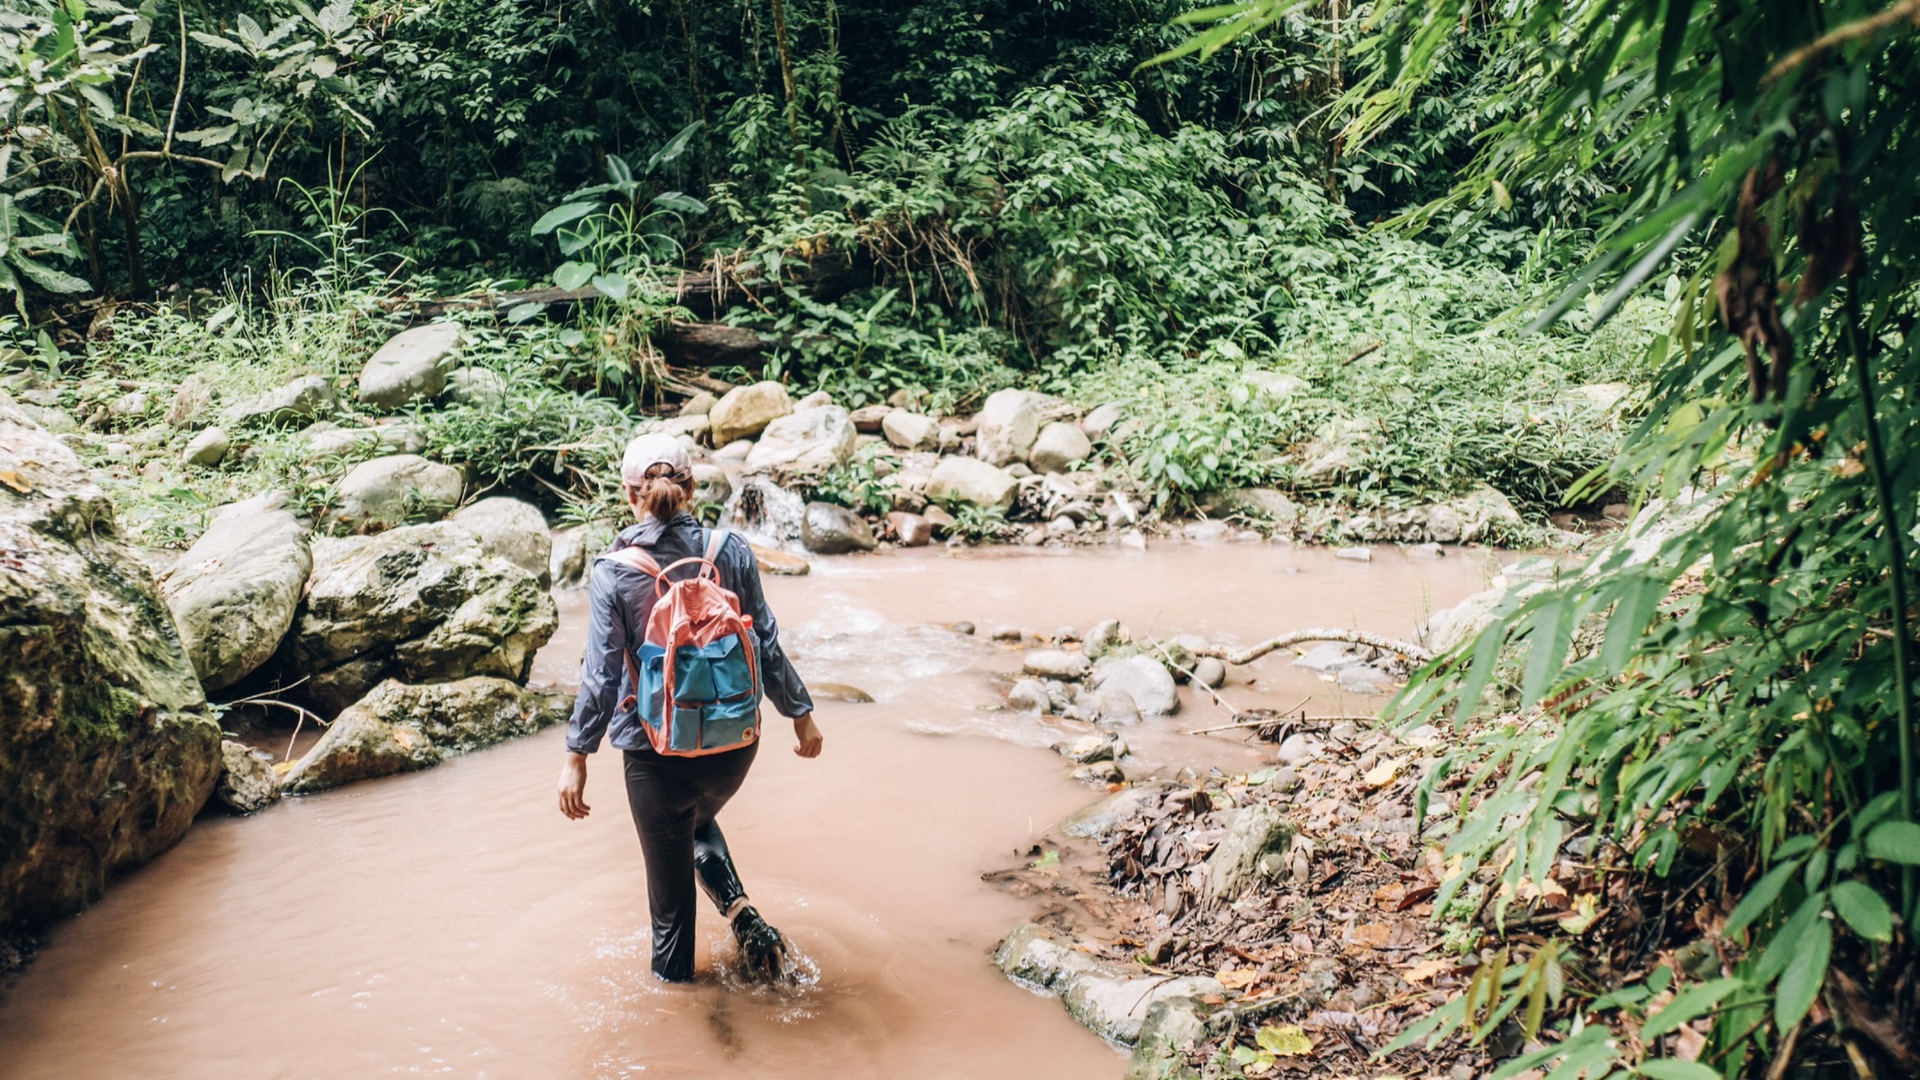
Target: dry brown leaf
<point x="1382" y="774"/>
<point x="15" y="481"/>
<point x="1238" y="978"/>
<point x="1427" y="969"/>
<point x="1373" y="935"/>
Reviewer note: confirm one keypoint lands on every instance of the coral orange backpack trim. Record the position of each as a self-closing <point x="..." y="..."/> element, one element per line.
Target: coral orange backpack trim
<point x="695" y="674"/>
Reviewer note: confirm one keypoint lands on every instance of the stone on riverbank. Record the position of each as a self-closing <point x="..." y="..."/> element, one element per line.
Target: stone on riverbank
<point x="746" y="411"/>
<point x="247" y="781"/>
<point x="1481" y="514"/>
<point x="1254" y="849"/>
<point x="233" y="593"/>
<point x="911" y="431"/>
<point x="1059" y="447"/>
<point x="398" y="728"/>
<point x="107" y="747"/>
<point x="207" y="448"/>
<point x="303" y="399"/>
<point x="1056" y="664"/>
<point x="808" y="442"/>
<point x="388" y="491"/>
<point x="476" y="386"/>
<point x="512" y="530"/>
<point x="1109" y="1000"/>
<point x="422" y="601"/>
<point x="834" y="530"/>
<point x="971" y="481"/>
<point x="1109" y="812"/>
<point x="1171" y="1028"/>
<point x="1145" y="679"/>
<point x="779" y="563"/>
<point x="409" y="366"/>
<point x="1009" y="422"/>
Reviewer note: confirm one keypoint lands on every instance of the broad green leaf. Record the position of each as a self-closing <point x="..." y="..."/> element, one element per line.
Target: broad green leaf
<point x="47" y="277"/>
<point x="674" y="200"/>
<point x="1284" y="1040"/>
<point x="573" y="275"/>
<point x="561" y="215"/>
<point x="1689" y="1004"/>
<point x="1760" y="897"/>
<point x="1864" y="909"/>
<point x="1896" y="842"/>
<point x="1792" y="938"/>
<point x="611" y="286"/>
<point x="1675" y="1069"/>
<point x="1800" y="983"/>
<point x="520" y="313"/>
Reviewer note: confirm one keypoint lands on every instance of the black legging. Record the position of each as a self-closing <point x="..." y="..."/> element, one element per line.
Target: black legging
<point x="674" y="800"/>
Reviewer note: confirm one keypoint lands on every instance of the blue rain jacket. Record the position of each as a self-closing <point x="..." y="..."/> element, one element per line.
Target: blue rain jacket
<point x="619" y="600"/>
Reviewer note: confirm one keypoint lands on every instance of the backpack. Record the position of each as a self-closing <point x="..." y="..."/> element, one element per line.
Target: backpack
<point x="696" y="678"/>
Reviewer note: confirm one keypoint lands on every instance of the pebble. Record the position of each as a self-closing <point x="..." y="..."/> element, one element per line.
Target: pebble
<point x="1286" y="778"/>
<point x="963" y="627"/>
<point x="1056" y="664"/>
<point x="1354" y="554"/>
<point x="1029" y="696"/>
<point x="1210" y="672"/>
<point x="1066" y="634"/>
<point x="1160" y="949"/>
<point x="1007" y="633"/>
<point x="1133" y="541"/>
<point x="1296" y="748"/>
<point x="1104" y="772"/>
<point x="1363" y="680"/>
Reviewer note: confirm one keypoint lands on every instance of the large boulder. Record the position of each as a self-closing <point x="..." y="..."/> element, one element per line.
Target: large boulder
<point x="808" y="442"/>
<point x="1009" y="422"/>
<point x="296" y="402"/>
<point x="834" y="530"/>
<point x="409" y="366"/>
<point x="1059" y="447"/>
<point x="423" y="602"/>
<point x="1111" y="1000"/>
<point x="1481" y="514"/>
<point x="1145" y="680"/>
<point x="398" y="728"/>
<point x="234" y="592"/>
<point x="512" y="530"/>
<point x="746" y="411"/>
<point x="107" y="747"/>
<point x="971" y="481"/>
<point x="387" y="491"/>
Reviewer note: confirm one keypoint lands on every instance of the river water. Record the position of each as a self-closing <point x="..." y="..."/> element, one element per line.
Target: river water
<point x="452" y="923"/>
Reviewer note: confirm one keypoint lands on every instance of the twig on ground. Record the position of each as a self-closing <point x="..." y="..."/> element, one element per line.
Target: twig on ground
<point x="1352" y="637"/>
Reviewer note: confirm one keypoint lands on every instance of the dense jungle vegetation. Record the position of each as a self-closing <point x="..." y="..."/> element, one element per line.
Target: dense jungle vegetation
<point x="1442" y="216"/>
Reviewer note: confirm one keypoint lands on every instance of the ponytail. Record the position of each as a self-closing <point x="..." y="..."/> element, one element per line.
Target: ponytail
<point x="662" y="493"/>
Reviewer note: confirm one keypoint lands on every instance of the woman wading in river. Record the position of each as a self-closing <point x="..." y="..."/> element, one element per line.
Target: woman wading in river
<point x="682" y="766"/>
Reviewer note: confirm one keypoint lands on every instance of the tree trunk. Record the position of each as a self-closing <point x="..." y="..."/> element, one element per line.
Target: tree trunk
<point x="786" y="81"/>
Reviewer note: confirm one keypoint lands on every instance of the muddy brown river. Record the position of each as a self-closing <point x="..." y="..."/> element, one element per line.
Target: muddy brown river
<point x="452" y="923"/>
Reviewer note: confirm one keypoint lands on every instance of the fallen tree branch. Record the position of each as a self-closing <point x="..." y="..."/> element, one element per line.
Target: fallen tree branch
<point x="1351" y="637"/>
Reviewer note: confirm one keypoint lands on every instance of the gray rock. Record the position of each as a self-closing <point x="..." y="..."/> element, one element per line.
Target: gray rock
<point x="834" y="530"/>
<point x="696" y="426"/>
<point x="1110" y="1000"/>
<point x="711" y="485"/>
<point x="1009" y="422"/>
<point x="1210" y="671"/>
<point x="1268" y="503"/>
<point x="737" y="450"/>
<point x="1354" y="554"/>
<point x="746" y="411"/>
<point x="911" y="431"/>
<point x="1172" y="1027"/>
<point x="1056" y="664"/>
<point x="512" y="530"/>
<point x="1097" y="746"/>
<point x="1297" y="748"/>
<point x="1335" y="452"/>
<point x="233" y="593"/>
<point x="107" y="747"/>
<point x="130" y="406"/>
<point x="319" y="443"/>
<point x="1105" y="638"/>
<point x="1108" y="813"/>
<point x="700" y="404"/>
<point x="1427" y="551"/>
<point x="1029" y="696"/>
<point x="1101" y="772"/>
<point x="1329" y="657"/>
<point x="399" y="728"/>
<point x="192" y="402"/>
<point x="1450" y="628"/>
<point x="1115" y="706"/>
<point x="971" y="481"/>
<point x="911" y="530"/>
<point x="573" y="551"/>
<point x="1253" y="849"/>
<point x="871" y="419"/>
<point x="410" y="366"/>
<point x="807" y="442"/>
<point x="480" y="387"/>
<point x="1059" y="447"/>
<point x="422" y="602"/>
<point x="207" y="448"/>
<point x="819" y="399"/>
<point x="388" y="491"/>
<point x="247" y="781"/>
<point x="1100" y="422"/>
<point x="1480" y="514"/>
<point x="299" y="401"/>
<point x="1144" y="679"/>
<point x="1364" y="679"/>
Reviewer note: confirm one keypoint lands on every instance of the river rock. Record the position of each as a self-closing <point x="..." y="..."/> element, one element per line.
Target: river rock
<point x="971" y="481"/>
<point x="247" y="781"/>
<point x="1334" y="452"/>
<point x="834" y="691"/>
<point x="1030" y="696"/>
<point x="779" y="563"/>
<point x="1210" y="672"/>
<point x="1059" y="447"/>
<point x="696" y="426"/>
<point x="700" y="404"/>
<point x="834" y="530"/>
<point x="410" y="366"/>
<point x="808" y="442"/>
<point x="298" y="401"/>
<point x="1056" y="664"/>
<point x="871" y="419"/>
<point x="1115" y="706"/>
<point x="1106" y="638"/>
<point x="1092" y="747"/>
<point x="1253" y="849"/>
<point x="1363" y="679"/>
<point x="512" y="530"/>
<point x="1109" y="812"/>
<point x="1100" y="422"/>
<point x="1480" y="514"/>
<point x="107" y="747"/>
<point x="398" y="728"/>
<point x="573" y="551"/>
<point x="192" y="402"/>
<point x="207" y="448"/>
<point x="476" y="386"/>
<point x="1009" y="422"/>
<point x="387" y="491"/>
<point x="1110" y="1000"/>
<point x="911" y="530"/>
<point x="911" y="431"/>
<point x="1330" y="657"/>
<point x="422" y="602"/>
<point x="1268" y="503"/>
<point x="1173" y="1026"/>
<point x="746" y="411"/>
<point x="234" y="592"/>
<point x="1145" y="679"/>
<point x="737" y="450"/>
<point x="1450" y="628"/>
<point x="941" y="521"/>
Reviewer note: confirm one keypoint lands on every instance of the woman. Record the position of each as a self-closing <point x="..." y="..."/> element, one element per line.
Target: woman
<point x="674" y="799"/>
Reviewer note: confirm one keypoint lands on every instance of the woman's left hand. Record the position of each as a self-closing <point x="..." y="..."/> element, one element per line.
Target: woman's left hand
<point x="805" y="730"/>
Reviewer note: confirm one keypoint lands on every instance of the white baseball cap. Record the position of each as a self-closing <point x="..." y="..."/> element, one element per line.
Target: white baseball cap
<point x="646" y="451"/>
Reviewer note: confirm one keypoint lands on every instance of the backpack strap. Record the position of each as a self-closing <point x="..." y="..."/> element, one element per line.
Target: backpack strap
<point x="637" y="558"/>
<point x="716" y="540"/>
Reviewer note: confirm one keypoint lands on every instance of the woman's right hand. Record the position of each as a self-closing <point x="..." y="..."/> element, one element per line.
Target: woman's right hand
<point x="573" y="787"/>
<point x="808" y="734"/>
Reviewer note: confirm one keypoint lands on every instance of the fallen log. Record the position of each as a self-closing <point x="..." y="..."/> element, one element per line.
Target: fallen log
<point x="709" y="345"/>
<point x="1351" y="637"/>
<point x="707" y="293"/>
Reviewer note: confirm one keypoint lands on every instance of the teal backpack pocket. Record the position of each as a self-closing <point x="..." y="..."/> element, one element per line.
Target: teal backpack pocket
<point x="716" y="699"/>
